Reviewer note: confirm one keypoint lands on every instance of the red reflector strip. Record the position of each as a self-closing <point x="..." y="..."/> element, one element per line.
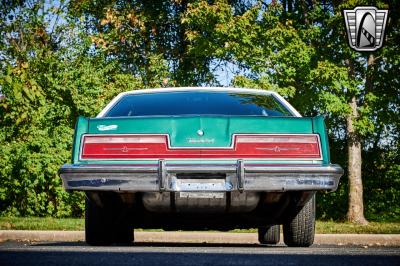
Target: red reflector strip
<point x="125" y="139"/>
<point x="245" y="146"/>
<point x="277" y="139"/>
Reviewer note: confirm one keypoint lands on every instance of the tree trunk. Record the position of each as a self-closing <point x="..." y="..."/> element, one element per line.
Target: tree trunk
<point x="355" y="212"/>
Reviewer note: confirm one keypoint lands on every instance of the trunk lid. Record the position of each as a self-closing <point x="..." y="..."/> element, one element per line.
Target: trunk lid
<point x="201" y="131"/>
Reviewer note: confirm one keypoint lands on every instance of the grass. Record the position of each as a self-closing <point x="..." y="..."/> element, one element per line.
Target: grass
<point x="41" y="223"/>
<point x="71" y="224"/>
<point x="329" y="227"/>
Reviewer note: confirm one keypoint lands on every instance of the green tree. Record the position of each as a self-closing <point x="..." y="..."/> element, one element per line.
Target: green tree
<point x="141" y="35"/>
<point x="49" y="77"/>
<point x="63" y="59"/>
<point x="299" y="49"/>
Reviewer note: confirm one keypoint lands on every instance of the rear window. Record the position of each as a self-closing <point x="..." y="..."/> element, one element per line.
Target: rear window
<point x="197" y="103"/>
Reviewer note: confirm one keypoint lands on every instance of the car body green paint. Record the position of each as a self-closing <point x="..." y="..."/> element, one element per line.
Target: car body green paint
<point x="218" y="131"/>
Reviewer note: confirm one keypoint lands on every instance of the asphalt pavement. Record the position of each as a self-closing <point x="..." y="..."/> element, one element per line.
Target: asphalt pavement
<point x="168" y="253"/>
<point x="202" y="237"/>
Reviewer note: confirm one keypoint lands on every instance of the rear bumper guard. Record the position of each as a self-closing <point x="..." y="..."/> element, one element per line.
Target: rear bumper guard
<point x="164" y="177"/>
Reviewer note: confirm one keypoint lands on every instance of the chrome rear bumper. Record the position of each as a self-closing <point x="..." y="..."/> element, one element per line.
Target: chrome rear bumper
<point x="165" y="177"/>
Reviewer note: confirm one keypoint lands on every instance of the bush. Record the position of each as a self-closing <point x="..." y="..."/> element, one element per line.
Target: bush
<point x="44" y="96"/>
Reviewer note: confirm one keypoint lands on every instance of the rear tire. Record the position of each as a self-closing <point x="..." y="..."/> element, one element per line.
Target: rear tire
<point x="269" y="234"/>
<point x="97" y="224"/>
<point x="106" y="224"/>
<point x="123" y="233"/>
<point x="299" y="230"/>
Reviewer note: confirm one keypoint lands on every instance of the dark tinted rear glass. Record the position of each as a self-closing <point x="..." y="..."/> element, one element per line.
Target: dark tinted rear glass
<point x="197" y="103"/>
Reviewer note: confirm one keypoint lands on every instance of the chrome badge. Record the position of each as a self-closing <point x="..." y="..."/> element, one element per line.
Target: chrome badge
<point x="365" y="27"/>
<point x="202" y="140"/>
<point x="200" y="132"/>
<point x="107" y="127"/>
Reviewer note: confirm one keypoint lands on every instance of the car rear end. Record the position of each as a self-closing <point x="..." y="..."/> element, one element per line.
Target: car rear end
<point x="201" y="159"/>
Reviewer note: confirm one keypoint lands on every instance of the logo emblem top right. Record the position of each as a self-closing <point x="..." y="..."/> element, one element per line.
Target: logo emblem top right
<point x="365" y="27"/>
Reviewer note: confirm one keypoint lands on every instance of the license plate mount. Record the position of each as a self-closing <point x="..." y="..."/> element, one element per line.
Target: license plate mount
<point x="201" y="185"/>
<point x="202" y="195"/>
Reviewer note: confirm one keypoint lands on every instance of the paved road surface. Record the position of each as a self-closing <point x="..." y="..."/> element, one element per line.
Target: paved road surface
<point x="78" y="253"/>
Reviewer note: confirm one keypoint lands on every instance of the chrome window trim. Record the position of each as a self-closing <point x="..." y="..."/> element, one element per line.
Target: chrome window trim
<point x="208" y="89"/>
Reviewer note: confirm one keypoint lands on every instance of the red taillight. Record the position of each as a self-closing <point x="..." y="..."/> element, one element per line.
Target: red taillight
<point x="244" y="146"/>
<point x="280" y="146"/>
<point x="123" y="146"/>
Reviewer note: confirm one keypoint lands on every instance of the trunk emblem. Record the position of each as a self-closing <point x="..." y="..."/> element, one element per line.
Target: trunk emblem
<point x="107" y="127"/>
<point x="200" y="132"/>
<point x="278" y="149"/>
<point x="124" y="149"/>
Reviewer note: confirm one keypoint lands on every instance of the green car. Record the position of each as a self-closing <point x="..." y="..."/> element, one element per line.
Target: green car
<point x="200" y="159"/>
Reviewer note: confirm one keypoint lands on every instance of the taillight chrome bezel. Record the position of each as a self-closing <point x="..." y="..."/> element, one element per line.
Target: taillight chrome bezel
<point x="232" y="146"/>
